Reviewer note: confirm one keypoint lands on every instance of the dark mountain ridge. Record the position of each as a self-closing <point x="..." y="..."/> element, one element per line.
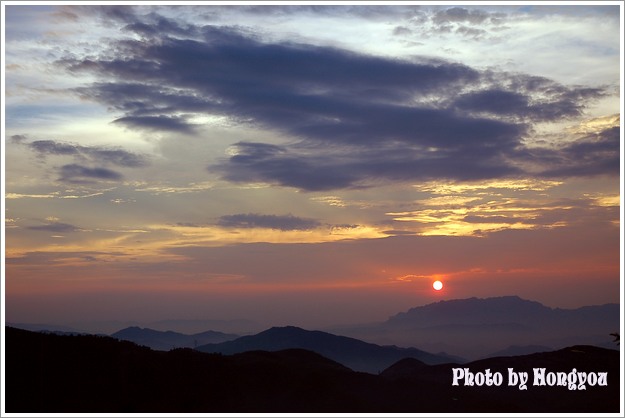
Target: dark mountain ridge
<point x="97" y="374"/>
<point x="355" y="354"/>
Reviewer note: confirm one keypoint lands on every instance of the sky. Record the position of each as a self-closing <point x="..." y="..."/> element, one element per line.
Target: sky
<point x="310" y="165"/>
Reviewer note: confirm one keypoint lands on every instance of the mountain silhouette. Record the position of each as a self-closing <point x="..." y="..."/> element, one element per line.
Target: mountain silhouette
<point x="475" y="327"/>
<point x="355" y="354"/>
<point x="167" y="340"/>
<point x="53" y="373"/>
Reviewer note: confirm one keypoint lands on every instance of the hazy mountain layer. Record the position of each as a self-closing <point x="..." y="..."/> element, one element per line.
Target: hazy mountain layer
<point x="167" y="340"/>
<point x="474" y="328"/>
<point x="353" y="353"/>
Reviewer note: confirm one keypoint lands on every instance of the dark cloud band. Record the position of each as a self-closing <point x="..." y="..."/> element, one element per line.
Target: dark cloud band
<point x="354" y="119"/>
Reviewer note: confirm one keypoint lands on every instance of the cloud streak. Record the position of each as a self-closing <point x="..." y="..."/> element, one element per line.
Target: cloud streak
<point x="279" y="222"/>
<point x="57" y="227"/>
<point x="116" y="157"/>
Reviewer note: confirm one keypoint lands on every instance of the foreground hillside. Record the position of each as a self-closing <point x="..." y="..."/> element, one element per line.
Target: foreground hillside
<point x="54" y="373"/>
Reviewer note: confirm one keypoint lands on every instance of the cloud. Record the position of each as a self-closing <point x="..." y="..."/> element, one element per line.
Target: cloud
<point x="78" y="174"/>
<point x="489" y="219"/>
<point x="189" y="224"/>
<point x="156" y="123"/>
<point x="44" y="258"/>
<point x="566" y="103"/>
<point x="505" y="249"/>
<point x="336" y="169"/>
<point x="81" y="174"/>
<point x="401" y="30"/>
<point x="57" y="227"/>
<point x="159" y="26"/>
<point x="254" y="162"/>
<point x="53" y="148"/>
<point x="462" y="15"/>
<point x="471" y="32"/>
<point x="112" y="156"/>
<point x="353" y="120"/>
<point x="590" y="155"/>
<point x="117" y="157"/>
<point x="254" y="220"/>
<point x="18" y="138"/>
<point x="472" y="23"/>
<point x="108" y="13"/>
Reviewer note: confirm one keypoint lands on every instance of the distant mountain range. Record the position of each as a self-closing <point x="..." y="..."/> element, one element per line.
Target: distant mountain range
<point x="183" y="326"/>
<point x="474" y="328"/>
<point x="45" y="327"/>
<point x="468" y="328"/>
<point x="194" y="326"/>
<point x="52" y="373"/>
<point x="167" y="340"/>
<point x="353" y="353"/>
<point x="350" y="352"/>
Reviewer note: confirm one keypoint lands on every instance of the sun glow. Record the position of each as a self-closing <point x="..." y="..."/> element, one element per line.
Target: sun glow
<point x="437" y="285"/>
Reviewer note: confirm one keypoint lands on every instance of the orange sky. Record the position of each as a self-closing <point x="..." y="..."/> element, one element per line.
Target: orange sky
<point x="312" y="170"/>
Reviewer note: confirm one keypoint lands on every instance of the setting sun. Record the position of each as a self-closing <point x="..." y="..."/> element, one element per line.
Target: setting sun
<point x="437" y="285"/>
